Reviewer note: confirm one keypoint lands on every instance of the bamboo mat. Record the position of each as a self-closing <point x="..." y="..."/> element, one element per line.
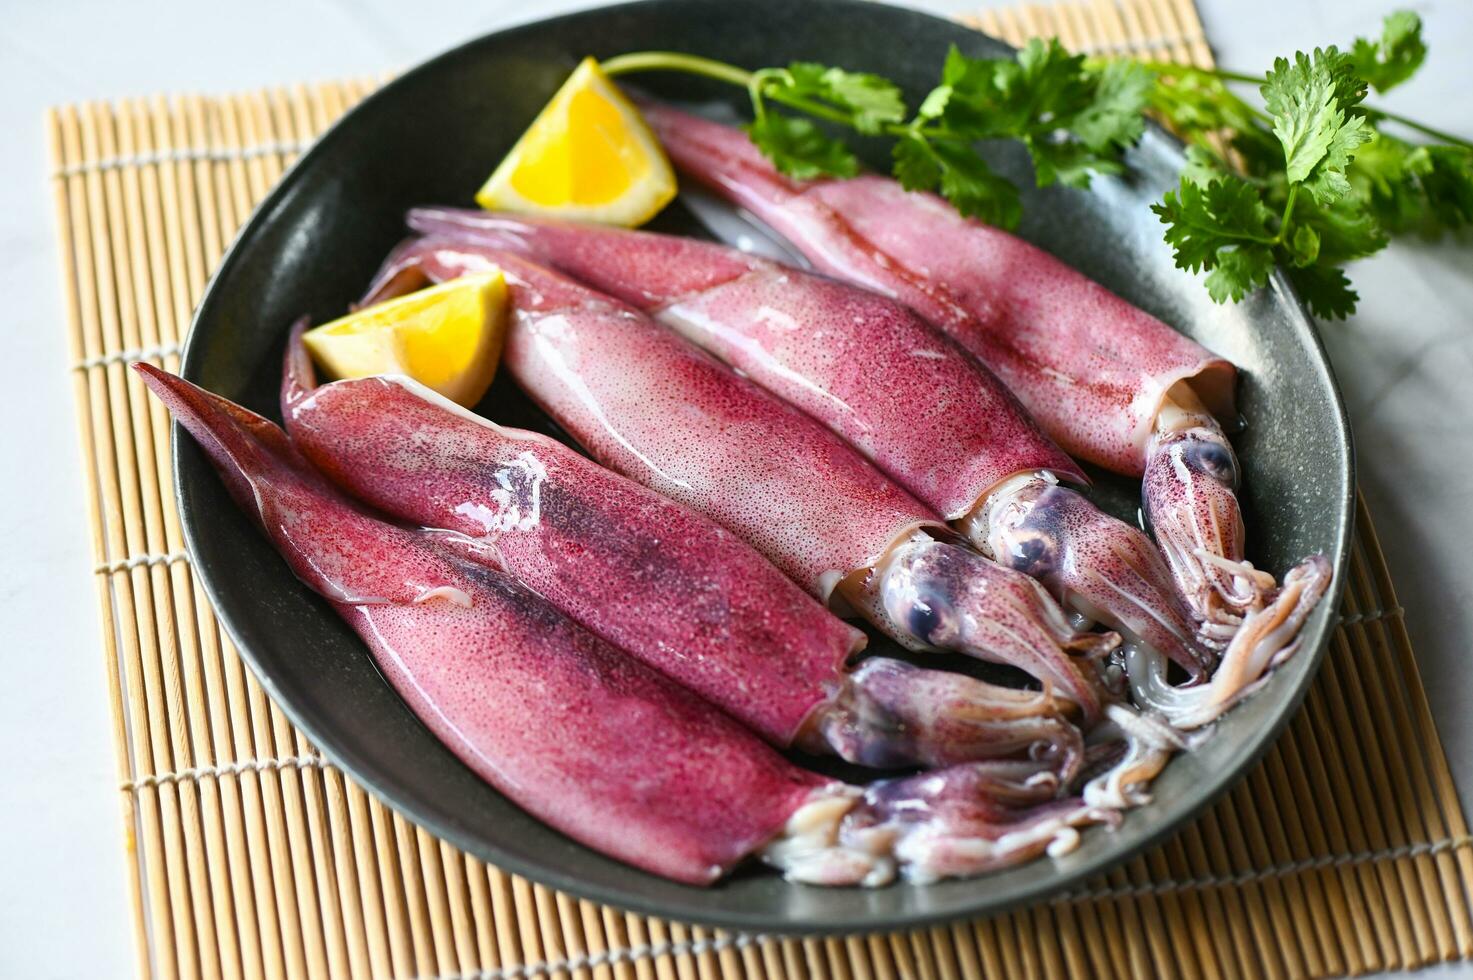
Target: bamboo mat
<point x="1345" y="850"/>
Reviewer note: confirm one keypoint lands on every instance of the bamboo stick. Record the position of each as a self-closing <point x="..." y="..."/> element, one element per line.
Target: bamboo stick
<point x="166" y="247"/>
<point x="224" y="213"/>
<point x="116" y="474"/>
<point x="75" y="258"/>
<point x="139" y="330"/>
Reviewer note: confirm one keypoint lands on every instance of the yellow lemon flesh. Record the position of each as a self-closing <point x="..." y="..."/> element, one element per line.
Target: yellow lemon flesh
<point x="447" y="337"/>
<point x="588" y="157"/>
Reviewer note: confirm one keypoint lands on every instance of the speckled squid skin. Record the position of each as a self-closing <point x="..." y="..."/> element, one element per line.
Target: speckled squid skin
<point x="918" y="406"/>
<point x="991" y="612"/>
<point x="652" y="577"/>
<point x="1090" y="367"/>
<point x="650" y="406"/>
<point x="573" y="730"/>
<point x="831" y="350"/>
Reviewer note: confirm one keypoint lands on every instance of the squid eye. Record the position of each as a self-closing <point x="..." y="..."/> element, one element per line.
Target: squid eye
<point x="924" y="620"/>
<point x="1028" y="551"/>
<point x="1214" y="459"/>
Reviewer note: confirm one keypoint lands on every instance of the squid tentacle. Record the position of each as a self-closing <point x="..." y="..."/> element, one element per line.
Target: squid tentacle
<point x="888" y="714"/>
<point x="934" y="825"/>
<point x="1142" y="744"/>
<point x="1266" y="638"/>
<point x="1189" y="497"/>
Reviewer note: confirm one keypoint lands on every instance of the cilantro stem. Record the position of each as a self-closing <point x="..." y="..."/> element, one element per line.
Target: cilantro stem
<point x="762" y="86"/>
<point x="759" y="85"/>
<point x="1178" y="71"/>
<point x="1283" y="234"/>
<point x="1422" y="128"/>
<point x="691" y="64"/>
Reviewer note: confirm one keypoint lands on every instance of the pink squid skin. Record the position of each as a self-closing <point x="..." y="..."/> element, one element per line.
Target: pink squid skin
<point x="852" y="359"/>
<point x="570" y="728"/>
<point x="1108" y="381"/>
<point x="1090" y="367"/>
<point x="651" y="406"/>
<point x="875" y="373"/>
<point x="656" y="579"/>
<point x="648" y="575"/>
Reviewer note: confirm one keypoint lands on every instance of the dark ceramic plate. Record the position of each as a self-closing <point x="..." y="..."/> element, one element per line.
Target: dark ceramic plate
<point x="430" y="137"/>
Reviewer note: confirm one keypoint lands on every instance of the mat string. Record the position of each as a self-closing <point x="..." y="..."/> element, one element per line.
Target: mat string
<point x="233" y="769"/>
<point x="183" y="155"/>
<point x="128" y="356"/>
<point x="1318" y="863"/>
<point x="123" y="564"/>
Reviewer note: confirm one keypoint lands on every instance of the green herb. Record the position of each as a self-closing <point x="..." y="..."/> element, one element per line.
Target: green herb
<point x="1395" y="57"/>
<point x="1075" y="119"/>
<point x="1316" y="158"/>
<point x="1309" y="179"/>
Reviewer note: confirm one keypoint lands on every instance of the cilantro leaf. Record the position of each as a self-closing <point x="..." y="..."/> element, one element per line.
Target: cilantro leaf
<point x="1346" y="230"/>
<point x="871" y="99"/>
<point x="1074" y="119"/>
<point x="1195" y="103"/>
<point x="1204" y="219"/>
<point x="1327" y="182"/>
<point x="799" y="149"/>
<point x="1303" y="247"/>
<point x="1325" y="289"/>
<point x="1114" y="118"/>
<point x="1220" y="227"/>
<point x="1070" y="164"/>
<point x="1384" y="179"/>
<point x="934" y="104"/>
<point x="960" y="175"/>
<point x="1428" y="189"/>
<point x="1396" y="56"/>
<point x="1046" y="82"/>
<point x="1311" y="100"/>
<point x="916" y="167"/>
<point x="974" y="189"/>
<point x="1239" y="271"/>
<point x="1447" y="180"/>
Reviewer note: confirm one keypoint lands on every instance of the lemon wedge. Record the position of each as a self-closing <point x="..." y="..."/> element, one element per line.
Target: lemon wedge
<point x="447" y="337"/>
<point x="589" y="156"/>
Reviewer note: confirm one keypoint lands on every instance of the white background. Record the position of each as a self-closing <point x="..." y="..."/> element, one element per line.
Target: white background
<point x="1405" y="362"/>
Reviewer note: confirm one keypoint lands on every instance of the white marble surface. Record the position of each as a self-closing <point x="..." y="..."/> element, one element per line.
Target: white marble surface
<point x="1405" y="363"/>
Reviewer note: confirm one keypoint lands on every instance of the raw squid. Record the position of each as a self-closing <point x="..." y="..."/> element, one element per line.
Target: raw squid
<point x="585" y="737"/>
<point x="654" y="578"/>
<point x="651" y="406"/>
<point x="1108" y="381"/>
<point x="903" y="394"/>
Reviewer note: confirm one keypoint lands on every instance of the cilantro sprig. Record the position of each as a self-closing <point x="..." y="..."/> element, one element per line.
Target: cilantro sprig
<point x="1328" y="178"/>
<point x="1074" y="118"/>
<point x="1307" y="177"/>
